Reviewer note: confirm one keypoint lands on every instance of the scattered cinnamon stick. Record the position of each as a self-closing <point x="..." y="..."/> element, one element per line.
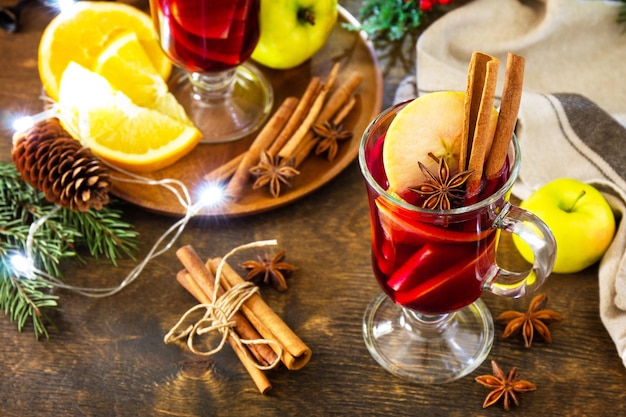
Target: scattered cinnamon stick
<point x="345" y="111"/>
<point x="258" y="377"/>
<point x="263" y="141"/>
<point x="286" y="152"/>
<point x="303" y="108"/>
<point x="509" y="108"/>
<point x="340" y="96"/>
<point x="204" y="280"/>
<point x="295" y="353"/>
<point x="336" y="102"/>
<point x="484" y="77"/>
<point x="225" y="171"/>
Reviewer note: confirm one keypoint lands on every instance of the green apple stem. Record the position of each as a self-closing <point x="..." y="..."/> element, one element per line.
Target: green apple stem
<point x="306" y="15"/>
<point x="581" y="195"/>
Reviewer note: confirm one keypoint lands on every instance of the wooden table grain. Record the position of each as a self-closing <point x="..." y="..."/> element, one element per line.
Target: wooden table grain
<point x="107" y="357"/>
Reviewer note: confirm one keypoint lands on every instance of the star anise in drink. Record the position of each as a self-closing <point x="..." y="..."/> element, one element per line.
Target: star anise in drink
<point x="442" y="191"/>
<point x="503" y="386"/>
<point x="536" y="319"/>
<point x="269" y="270"/>
<point x="273" y="171"/>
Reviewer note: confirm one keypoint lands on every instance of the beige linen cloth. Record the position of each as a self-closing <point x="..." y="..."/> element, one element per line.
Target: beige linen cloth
<point x="573" y="103"/>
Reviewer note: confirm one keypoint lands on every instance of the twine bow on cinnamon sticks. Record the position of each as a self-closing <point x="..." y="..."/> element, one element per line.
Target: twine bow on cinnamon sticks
<point x="288" y="135"/>
<point x="233" y="307"/>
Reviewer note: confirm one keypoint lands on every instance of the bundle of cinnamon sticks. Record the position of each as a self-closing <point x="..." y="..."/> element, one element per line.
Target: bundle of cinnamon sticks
<point x="482" y="153"/>
<point x="254" y="321"/>
<point x="288" y="135"/>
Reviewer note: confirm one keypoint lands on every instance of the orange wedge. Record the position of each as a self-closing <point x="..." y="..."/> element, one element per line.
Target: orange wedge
<point x="83" y="31"/>
<point x="126" y="65"/>
<point x="116" y="129"/>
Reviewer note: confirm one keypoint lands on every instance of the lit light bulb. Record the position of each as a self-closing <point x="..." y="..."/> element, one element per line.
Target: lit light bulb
<point x="26" y="122"/>
<point x="212" y="195"/>
<point x="23" y="265"/>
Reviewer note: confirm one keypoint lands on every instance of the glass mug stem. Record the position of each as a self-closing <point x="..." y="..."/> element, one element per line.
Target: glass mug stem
<point x="212" y="86"/>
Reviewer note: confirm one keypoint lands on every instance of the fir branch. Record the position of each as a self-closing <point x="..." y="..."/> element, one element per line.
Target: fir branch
<point x="103" y="232"/>
<point x="390" y="20"/>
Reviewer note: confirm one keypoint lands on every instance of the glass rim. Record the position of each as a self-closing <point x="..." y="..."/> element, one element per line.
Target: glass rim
<point x="494" y="197"/>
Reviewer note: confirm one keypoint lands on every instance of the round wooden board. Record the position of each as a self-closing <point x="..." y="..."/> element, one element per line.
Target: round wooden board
<point x="355" y="53"/>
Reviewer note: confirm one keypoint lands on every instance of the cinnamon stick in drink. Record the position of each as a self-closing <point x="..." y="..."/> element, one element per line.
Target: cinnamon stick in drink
<point x="204" y="280"/>
<point x="258" y="377"/>
<point x="295" y="353"/>
<point x="509" y="108"/>
<point x="482" y="89"/>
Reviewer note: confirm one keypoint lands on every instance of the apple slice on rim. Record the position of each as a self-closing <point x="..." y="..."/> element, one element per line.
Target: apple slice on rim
<point x="432" y="123"/>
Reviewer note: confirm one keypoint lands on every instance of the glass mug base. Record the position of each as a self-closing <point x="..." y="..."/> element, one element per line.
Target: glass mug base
<point x="427" y="349"/>
<point x="231" y="116"/>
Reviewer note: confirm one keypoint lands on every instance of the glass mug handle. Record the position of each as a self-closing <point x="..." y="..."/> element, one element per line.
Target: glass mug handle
<point x="532" y="230"/>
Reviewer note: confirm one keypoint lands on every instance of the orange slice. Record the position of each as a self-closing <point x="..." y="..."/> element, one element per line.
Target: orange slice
<point x="126" y="65"/>
<point x="83" y="31"/>
<point x="117" y="130"/>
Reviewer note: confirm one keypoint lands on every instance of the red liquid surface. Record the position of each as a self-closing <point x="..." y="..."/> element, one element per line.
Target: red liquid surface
<point x="207" y="35"/>
<point x="423" y="262"/>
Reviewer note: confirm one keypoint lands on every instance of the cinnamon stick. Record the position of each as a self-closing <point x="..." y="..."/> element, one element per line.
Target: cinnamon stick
<point x="509" y="108"/>
<point x="345" y="110"/>
<point x="288" y="149"/>
<point x="295" y="353"/>
<point x="263" y="141"/>
<point x="225" y="171"/>
<point x="482" y="94"/>
<point x="258" y="377"/>
<point x="303" y="108"/>
<point x="204" y="280"/>
<point x="342" y="94"/>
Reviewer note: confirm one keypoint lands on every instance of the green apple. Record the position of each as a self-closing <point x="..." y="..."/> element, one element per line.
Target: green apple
<point x="432" y="123"/>
<point x="581" y="221"/>
<point x="292" y="31"/>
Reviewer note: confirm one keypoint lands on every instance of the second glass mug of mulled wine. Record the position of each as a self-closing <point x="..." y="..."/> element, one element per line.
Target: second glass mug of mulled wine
<point x="210" y="40"/>
<point x="429" y="325"/>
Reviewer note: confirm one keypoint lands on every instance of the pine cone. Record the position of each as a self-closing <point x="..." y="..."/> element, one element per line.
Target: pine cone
<point x="49" y="159"/>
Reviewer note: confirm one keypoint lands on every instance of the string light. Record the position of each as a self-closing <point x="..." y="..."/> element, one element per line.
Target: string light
<point x="211" y="196"/>
<point x="23" y="265"/>
<point x="26" y="122"/>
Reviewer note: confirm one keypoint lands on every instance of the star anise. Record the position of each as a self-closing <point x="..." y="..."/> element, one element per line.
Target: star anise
<point x="503" y="386"/>
<point x="269" y="270"/>
<point x="536" y="319"/>
<point x="441" y="191"/>
<point x="273" y="171"/>
<point x="330" y="136"/>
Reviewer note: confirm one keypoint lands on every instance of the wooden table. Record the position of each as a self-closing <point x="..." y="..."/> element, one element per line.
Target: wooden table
<point x="108" y="356"/>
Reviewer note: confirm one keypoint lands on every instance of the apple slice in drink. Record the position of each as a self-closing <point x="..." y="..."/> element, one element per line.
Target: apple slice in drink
<point x="406" y="229"/>
<point x="453" y="285"/>
<point x="429" y="261"/>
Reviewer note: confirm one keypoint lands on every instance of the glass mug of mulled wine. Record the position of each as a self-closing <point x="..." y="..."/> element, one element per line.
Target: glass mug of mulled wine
<point x="226" y="97"/>
<point x="429" y="324"/>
